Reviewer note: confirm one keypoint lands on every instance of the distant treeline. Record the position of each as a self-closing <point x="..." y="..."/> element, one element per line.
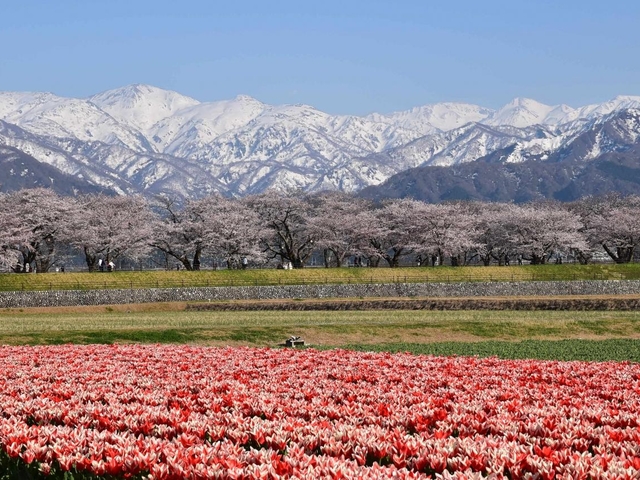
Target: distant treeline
<point x="40" y="229"/>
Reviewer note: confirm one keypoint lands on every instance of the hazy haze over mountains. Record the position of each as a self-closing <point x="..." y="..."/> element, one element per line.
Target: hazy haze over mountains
<point x="141" y="138"/>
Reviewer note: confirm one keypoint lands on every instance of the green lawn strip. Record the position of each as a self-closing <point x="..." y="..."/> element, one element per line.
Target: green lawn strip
<point x="368" y="329"/>
<point x="249" y="336"/>
<point x="537" y="324"/>
<point x="562" y="350"/>
<point x="117" y="336"/>
<point x="204" y="278"/>
<point x="482" y="324"/>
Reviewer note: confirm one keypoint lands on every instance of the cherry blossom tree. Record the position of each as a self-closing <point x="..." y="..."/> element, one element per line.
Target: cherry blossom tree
<point x="232" y="231"/>
<point x="588" y="209"/>
<point x="370" y="233"/>
<point x="395" y="234"/>
<point x="287" y="220"/>
<point x="40" y="220"/>
<point x="109" y="228"/>
<point x="493" y="238"/>
<point x="13" y="234"/>
<point x="538" y="230"/>
<point x="613" y="223"/>
<point x="446" y="230"/>
<point x="35" y="224"/>
<point x="336" y="225"/>
<point x="179" y="232"/>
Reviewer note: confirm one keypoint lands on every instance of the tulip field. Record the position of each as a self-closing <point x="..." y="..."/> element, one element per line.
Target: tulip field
<point x="178" y="412"/>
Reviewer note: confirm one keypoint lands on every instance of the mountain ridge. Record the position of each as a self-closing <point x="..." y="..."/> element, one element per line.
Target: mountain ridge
<point x="603" y="158"/>
<point x="141" y="138"/>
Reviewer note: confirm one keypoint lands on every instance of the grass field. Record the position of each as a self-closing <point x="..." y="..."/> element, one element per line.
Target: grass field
<point x="160" y="279"/>
<point x="536" y="334"/>
<point x="532" y="334"/>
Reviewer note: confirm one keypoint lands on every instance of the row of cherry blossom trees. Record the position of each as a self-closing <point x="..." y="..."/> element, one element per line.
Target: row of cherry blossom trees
<point x="38" y="228"/>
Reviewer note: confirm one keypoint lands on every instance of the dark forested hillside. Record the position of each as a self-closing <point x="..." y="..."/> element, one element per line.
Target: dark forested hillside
<point x="557" y="178"/>
<point x="19" y="170"/>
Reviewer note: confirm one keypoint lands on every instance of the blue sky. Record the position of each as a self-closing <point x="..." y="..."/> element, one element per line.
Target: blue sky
<point x="339" y="56"/>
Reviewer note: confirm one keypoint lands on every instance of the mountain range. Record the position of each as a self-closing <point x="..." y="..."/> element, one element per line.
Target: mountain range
<point x="143" y="139"/>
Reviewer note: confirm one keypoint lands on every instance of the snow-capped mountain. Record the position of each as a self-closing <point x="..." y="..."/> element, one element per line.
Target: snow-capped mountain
<point x="112" y="167"/>
<point x="602" y="157"/>
<point x="141" y="106"/>
<point x="141" y="138"/>
<point x="53" y="116"/>
<point x="524" y="112"/>
<point x="439" y="117"/>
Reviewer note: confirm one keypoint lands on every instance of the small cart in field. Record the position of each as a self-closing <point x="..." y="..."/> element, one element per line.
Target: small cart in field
<point x="294" y="342"/>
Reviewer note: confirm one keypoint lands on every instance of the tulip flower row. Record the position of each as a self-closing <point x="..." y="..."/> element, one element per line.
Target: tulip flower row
<point x="174" y="412"/>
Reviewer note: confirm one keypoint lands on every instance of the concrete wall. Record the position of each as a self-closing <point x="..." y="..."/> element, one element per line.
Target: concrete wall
<point x="471" y="289"/>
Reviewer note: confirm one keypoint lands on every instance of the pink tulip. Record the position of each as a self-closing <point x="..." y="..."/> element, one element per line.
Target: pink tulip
<point x="192" y="412"/>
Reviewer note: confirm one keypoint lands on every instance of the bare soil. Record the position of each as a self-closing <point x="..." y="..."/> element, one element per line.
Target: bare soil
<point x="570" y="303"/>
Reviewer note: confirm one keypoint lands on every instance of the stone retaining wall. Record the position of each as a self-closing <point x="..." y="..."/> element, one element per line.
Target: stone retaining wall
<point x="469" y="289"/>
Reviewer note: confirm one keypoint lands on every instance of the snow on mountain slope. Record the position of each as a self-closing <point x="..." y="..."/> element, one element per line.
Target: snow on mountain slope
<point x="520" y="112"/>
<point x="621" y="102"/>
<point x="293" y="141"/>
<point x="141" y="106"/>
<point x="429" y="119"/>
<point x="295" y="146"/>
<point x="581" y="140"/>
<point x="17" y="103"/>
<point x="353" y="133"/>
<point x="114" y="167"/>
<point x="601" y="157"/>
<point x="468" y="143"/>
<point x="615" y="132"/>
<point x="50" y="115"/>
<point x="19" y="170"/>
<point x="524" y="112"/>
<point x="44" y="151"/>
<point x="559" y="115"/>
<point x="369" y="134"/>
<point x="300" y="139"/>
<point x="143" y="172"/>
<point x="142" y="138"/>
<point x="189" y="129"/>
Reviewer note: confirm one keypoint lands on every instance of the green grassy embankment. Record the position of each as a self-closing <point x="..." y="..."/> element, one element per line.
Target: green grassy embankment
<point x="204" y="278"/>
